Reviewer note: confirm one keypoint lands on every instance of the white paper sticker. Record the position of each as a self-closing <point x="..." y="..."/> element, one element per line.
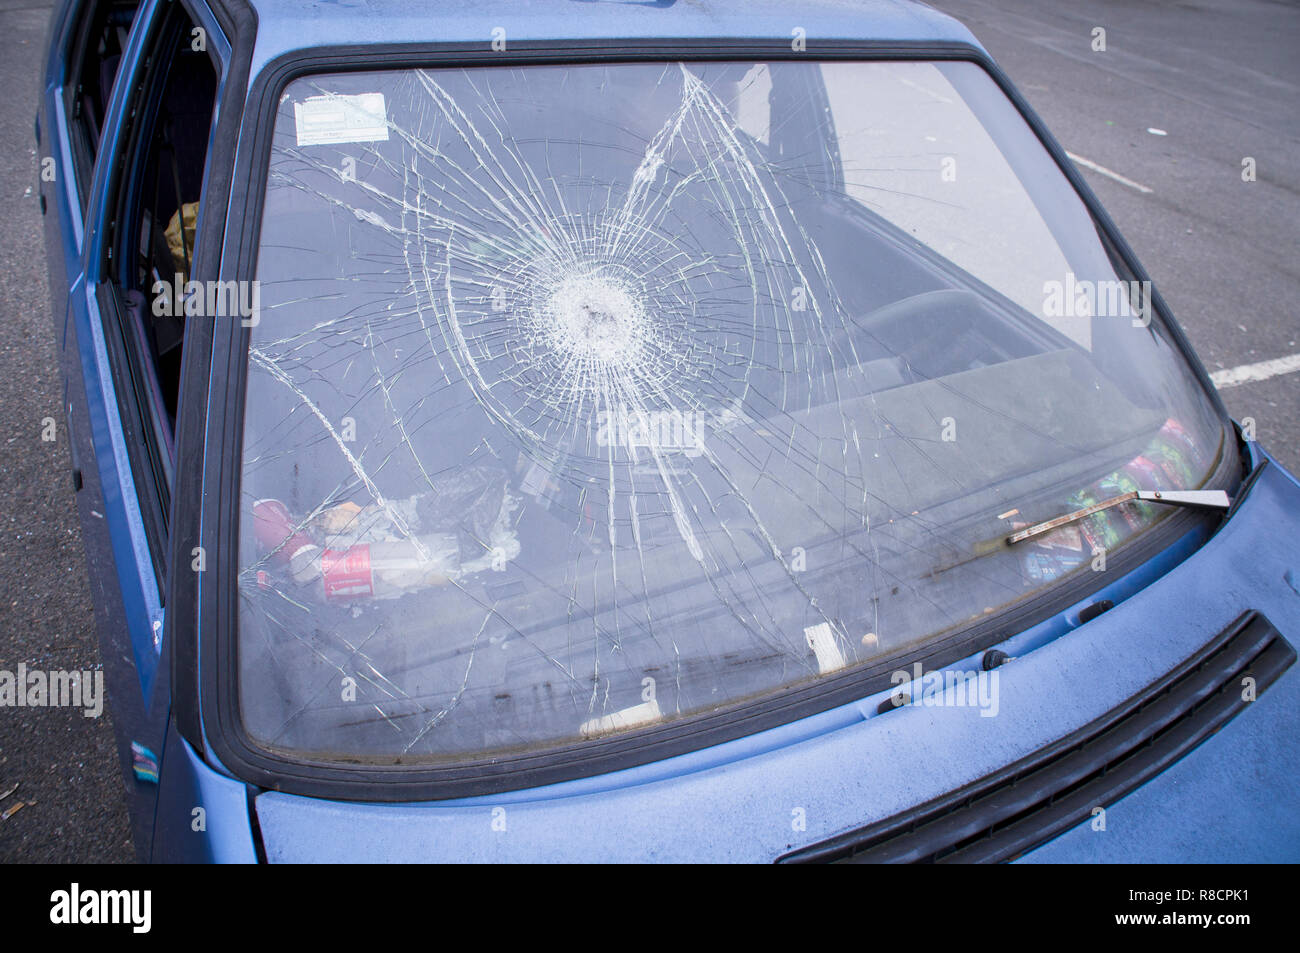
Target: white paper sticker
<point x="642" y="714"/>
<point x="821" y="639"/>
<point x="330" y="120"/>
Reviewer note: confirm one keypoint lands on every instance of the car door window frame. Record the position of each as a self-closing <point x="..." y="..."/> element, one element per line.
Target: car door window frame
<point x="84" y="152"/>
<point x="150" y="461"/>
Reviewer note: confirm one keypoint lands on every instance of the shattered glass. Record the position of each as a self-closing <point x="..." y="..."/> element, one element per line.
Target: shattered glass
<point x="590" y="398"/>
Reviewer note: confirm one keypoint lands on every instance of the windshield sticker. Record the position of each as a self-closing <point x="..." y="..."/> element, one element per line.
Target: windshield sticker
<point x="332" y="120"/>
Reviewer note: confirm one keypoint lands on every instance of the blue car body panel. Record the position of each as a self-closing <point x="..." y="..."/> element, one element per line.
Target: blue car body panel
<point x="1233" y="799"/>
<point x="755" y="798"/>
<point x="124" y="585"/>
<point x="285" y="27"/>
<point x="203" y="814"/>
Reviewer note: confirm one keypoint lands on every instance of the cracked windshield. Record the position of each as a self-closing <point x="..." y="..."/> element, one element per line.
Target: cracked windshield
<point x="587" y="399"/>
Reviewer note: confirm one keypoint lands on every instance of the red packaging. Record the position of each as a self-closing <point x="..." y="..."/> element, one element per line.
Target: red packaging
<point x="274" y="529"/>
<point x="347" y="572"/>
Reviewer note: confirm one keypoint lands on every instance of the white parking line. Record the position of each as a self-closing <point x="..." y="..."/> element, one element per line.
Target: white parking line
<point x="1102" y="170"/>
<point x="1262" y="371"/>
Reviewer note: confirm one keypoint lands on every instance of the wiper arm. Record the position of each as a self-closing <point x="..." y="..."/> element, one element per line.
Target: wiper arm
<point x="1203" y="499"/>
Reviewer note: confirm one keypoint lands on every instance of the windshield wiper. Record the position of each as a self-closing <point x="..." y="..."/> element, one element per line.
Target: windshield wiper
<point x="1203" y="499"/>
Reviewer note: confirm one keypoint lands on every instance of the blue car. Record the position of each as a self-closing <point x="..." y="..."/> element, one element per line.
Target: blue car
<point x="642" y="432"/>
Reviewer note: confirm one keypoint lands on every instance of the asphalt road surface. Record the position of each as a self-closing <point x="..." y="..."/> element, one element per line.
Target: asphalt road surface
<point x="1162" y="120"/>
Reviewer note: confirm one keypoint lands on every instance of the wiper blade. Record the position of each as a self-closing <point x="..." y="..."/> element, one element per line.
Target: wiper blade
<point x="1203" y="499"/>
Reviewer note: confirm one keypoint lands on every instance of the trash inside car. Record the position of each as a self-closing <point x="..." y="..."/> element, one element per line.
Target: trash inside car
<point x="642" y="432"/>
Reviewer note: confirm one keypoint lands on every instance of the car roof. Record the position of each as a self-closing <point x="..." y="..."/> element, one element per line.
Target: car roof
<point x="288" y="25"/>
